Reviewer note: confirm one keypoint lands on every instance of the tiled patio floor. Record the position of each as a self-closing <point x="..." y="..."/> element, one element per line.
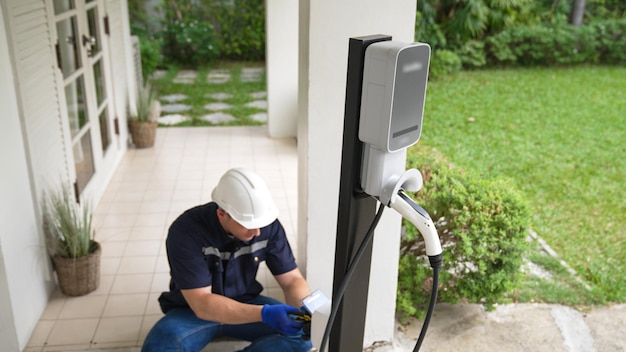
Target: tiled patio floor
<point x="149" y="190"/>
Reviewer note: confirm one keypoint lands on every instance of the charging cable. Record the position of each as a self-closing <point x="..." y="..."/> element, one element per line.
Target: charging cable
<point x="435" y="258"/>
<point x="344" y="283"/>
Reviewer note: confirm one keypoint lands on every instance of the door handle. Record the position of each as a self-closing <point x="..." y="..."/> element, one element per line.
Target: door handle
<point x="88" y="43"/>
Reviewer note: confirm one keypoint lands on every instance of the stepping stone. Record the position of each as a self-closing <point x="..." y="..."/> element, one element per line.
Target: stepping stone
<point x="171" y="108"/>
<point x="259" y="104"/>
<point x="218" y="76"/>
<point x="158" y="74"/>
<point x="184" y="80"/>
<point x="218" y="117"/>
<point x="253" y="70"/>
<point x="187" y="74"/>
<point x="219" y="96"/>
<point x="173" y="119"/>
<point x="260" y="117"/>
<point x="252" y="74"/>
<point x="217" y="106"/>
<point x="185" y="77"/>
<point x="173" y="97"/>
<point x="258" y="95"/>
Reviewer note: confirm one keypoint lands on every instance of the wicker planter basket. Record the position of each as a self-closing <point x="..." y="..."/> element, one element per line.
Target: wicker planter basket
<point x="78" y="276"/>
<point x="143" y="133"/>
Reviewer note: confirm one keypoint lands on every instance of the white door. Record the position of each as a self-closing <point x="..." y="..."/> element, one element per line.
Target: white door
<point x="81" y="56"/>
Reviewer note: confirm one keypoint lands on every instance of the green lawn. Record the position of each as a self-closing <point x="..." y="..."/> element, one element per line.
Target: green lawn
<point x="560" y="134"/>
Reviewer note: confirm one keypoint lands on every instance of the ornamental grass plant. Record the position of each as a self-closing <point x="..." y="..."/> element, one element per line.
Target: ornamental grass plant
<point x="67" y="225"/>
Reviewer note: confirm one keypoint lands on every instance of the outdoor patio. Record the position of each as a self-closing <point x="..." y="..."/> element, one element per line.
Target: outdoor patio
<point x="148" y="191"/>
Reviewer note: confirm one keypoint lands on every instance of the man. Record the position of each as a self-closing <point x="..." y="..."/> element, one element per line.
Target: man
<point x="214" y="251"/>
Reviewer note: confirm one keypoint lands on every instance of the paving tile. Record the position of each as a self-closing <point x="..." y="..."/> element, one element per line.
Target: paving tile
<point x="73" y="331"/>
<point x="219" y="96"/>
<point x="173" y="119"/>
<point x="259" y="104"/>
<point x="126" y="305"/>
<point x="217" y="106"/>
<point x="40" y="334"/>
<point x="252" y="74"/>
<point x="185" y="77"/>
<point x="260" y="117"/>
<point x="170" y="108"/>
<point x="184" y="80"/>
<point x="218" y="76"/>
<point x="173" y="97"/>
<point x="88" y="306"/>
<point x="133" y="283"/>
<point x="137" y="265"/>
<point x="218" y="117"/>
<point x="259" y="95"/>
<point x="158" y="74"/>
<point x="187" y="74"/>
<point x="253" y="70"/>
<point x="118" y="329"/>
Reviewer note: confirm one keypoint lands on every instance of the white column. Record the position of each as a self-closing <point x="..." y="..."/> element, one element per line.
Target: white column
<point x="324" y="34"/>
<point x="282" y="67"/>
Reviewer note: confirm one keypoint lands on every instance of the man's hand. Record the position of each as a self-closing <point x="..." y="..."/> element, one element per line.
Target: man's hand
<point x="277" y="316"/>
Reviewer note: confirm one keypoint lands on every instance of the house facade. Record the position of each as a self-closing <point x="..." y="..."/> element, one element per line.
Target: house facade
<point x="67" y="80"/>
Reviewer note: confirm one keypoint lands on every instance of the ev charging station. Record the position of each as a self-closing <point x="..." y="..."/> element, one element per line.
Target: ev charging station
<point x="385" y="95"/>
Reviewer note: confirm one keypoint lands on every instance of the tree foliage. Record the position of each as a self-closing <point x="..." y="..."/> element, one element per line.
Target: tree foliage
<point x="520" y="32"/>
<point x="461" y="20"/>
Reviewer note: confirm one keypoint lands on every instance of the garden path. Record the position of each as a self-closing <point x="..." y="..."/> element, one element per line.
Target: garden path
<point x="173" y="106"/>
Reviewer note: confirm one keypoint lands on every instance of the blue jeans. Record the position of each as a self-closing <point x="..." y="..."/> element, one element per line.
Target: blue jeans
<point x="181" y="331"/>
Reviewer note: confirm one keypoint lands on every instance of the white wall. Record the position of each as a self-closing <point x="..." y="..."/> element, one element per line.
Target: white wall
<point x="281" y="48"/>
<point x="326" y="26"/>
<point x="23" y="268"/>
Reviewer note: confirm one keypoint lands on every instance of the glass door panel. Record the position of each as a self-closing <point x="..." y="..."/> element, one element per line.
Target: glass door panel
<point x="105" y="133"/>
<point x="61" y="6"/>
<point x="83" y="161"/>
<point x="94" y="51"/>
<point x="75" y="100"/>
<point x="69" y="51"/>
<point x="93" y="40"/>
<point x="98" y="75"/>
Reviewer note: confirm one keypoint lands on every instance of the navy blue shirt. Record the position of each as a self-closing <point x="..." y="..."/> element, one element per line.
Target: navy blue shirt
<point x="201" y="254"/>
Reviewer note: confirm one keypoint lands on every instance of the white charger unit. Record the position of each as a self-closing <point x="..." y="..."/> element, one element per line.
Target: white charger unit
<point x="395" y="76"/>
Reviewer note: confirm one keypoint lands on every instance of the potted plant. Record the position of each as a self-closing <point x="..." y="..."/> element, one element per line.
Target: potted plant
<point x="142" y="122"/>
<point x="70" y="241"/>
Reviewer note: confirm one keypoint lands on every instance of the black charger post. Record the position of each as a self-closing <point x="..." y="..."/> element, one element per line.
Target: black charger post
<point x="355" y="214"/>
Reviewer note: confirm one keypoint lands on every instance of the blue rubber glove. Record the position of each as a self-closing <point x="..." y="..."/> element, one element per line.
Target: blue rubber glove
<point x="277" y="316"/>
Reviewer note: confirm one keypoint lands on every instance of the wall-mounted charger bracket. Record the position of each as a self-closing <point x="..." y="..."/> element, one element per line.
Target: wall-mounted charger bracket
<point x="411" y="180"/>
<point x="395" y="75"/>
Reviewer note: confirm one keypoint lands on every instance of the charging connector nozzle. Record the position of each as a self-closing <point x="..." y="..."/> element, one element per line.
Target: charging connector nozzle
<point x="420" y="218"/>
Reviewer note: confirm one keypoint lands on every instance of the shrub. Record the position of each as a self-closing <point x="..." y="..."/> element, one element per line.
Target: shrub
<point x="482" y="224"/>
<point x="444" y="62"/>
<point x="189" y="42"/>
<point x="472" y="54"/>
<point x="151" y="57"/>
<point x="611" y="38"/>
<point x="559" y="44"/>
<point x="241" y="28"/>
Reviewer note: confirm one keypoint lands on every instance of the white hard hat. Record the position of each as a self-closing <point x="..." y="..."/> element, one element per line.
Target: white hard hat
<point x="245" y="197"/>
